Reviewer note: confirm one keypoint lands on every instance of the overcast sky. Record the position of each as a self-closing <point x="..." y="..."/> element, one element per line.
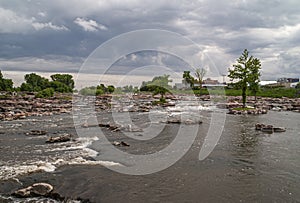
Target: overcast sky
<point x="58" y="35"/>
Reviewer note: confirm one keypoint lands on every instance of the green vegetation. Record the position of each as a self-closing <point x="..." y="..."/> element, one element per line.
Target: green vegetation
<point x="45" y="93"/>
<point x="247" y="72"/>
<point x="188" y="78"/>
<point x="158" y="85"/>
<point x="242" y="109"/>
<point x="200" y="73"/>
<point x="99" y="90"/>
<point x="35" y="83"/>
<point x="5" y="84"/>
<point x="65" y="79"/>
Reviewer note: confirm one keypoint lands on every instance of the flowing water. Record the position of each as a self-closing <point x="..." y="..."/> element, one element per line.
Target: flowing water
<point x="245" y="166"/>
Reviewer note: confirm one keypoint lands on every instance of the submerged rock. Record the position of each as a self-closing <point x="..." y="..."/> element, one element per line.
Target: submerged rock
<point x="62" y="138"/>
<point x="122" y="143"/>
<point x="37" y="132"/>
<point x="268" y="128"/>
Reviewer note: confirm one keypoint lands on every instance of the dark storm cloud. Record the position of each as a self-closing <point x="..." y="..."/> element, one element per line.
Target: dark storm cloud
<point x="61" y="33"/>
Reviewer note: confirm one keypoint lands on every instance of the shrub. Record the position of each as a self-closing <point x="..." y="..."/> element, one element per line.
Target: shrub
<point x="45" y="93"/>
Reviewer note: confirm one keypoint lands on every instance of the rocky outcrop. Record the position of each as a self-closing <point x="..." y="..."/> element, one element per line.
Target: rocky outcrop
<point x="120" y="144"/>
<point x="268" y="128"/>
<point x="21" y="107"/>
<point x="61" y="138"/>
<point x="37" y="189"/>
<point x="36" y="132"/>
<point x="247" y="111"/>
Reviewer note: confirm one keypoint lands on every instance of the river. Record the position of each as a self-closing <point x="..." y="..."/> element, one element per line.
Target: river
<point x="245" y="166"/>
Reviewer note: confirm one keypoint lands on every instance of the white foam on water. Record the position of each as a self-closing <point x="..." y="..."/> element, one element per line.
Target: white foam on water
<point x="69" y="153"/>
<point x="31" y="199"/>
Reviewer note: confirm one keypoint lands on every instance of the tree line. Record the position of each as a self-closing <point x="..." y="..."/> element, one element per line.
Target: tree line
<point x="43" y="87"/>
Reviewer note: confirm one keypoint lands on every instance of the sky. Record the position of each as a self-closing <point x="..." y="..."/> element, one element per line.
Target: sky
<point x="60" y="36"/>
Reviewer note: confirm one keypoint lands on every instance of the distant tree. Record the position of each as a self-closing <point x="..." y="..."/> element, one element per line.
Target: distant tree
<point x="246" y="71"/>
<point x="200" y="73"/>
<point x="99" y="90"/>
<point x="34" y="83"/>
<point x="64" y="78"/>
<point x="45" y="93"/>
<point x="158" y="85"/>
<point x="188" y="78"/>
<point x="60" y="87"/>
<point x="5" y="84"/>
<point x="110" y="88"/>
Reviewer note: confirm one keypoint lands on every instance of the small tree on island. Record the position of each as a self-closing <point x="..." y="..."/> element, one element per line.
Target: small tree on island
<point x="247" y="72"/>
<point x="200" y="73"/>
<point x="158" y="85"/>
<point x="188" y="78"/>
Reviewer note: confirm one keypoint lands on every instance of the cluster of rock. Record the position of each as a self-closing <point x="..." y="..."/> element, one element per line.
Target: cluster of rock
<point x="284" y="103"/>
<point x="65" y="137"/>
<point x="62" y="138"/>
<point x="114" y="127"/>
<point x="179" y="120"/>
<point x="268" y="128"/>
<point x="20" y="107"/>
<point x="43" y="190"/>
<point x="247" y="111"/>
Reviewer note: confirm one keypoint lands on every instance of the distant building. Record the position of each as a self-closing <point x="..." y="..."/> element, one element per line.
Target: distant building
<point x="206" y="83"/>
<point x="267" y="82"/>
<point x="288" y="80"/>
<point x="210" y="81"/>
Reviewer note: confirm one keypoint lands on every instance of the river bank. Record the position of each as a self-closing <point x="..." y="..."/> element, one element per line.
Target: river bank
<point x="20" y="107"/>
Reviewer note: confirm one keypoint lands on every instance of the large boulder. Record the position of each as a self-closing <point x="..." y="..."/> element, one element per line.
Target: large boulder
<point x="37" y="189"/>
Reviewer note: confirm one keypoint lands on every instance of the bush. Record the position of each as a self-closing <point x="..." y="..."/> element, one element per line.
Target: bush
<point x="45" y="93"/>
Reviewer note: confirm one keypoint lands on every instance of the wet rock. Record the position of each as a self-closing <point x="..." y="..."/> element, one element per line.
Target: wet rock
<point x="25" y="192"/>
<point x="62" y="138"/>
<point x="122" y="143"/>
<point x="41" y="189"/>
<point x="37" y="189"/>
<point x="268" y="128"/>
<point x="37" y="132"/>
<point x="279" y="129"/>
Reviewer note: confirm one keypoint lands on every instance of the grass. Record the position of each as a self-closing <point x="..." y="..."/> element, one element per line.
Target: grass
<point x="242" y="109"/>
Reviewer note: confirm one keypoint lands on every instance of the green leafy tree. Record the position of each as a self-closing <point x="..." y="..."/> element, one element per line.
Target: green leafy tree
<point x="246" y="71"/>
<point x="45" y="93"/>
<point x="34" y="83"/>
<point x="60" y="87"/>
<point x="188" y="78"/>
<point x="200" y="73"/>
<point x="5" y="84"/>
<point x="110" y="89"/>
<point x="65" y="79"/>
<point x="158" y="85"/>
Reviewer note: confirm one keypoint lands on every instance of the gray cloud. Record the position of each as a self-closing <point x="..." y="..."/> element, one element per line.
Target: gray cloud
<point x="63" y="33"/>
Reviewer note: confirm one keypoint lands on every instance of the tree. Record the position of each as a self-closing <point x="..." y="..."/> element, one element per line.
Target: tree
<point x="34" y="83"/>
<point x="5" y="84"/>
<point x="64" y="78"/>
<point x="188" y="78"/>
<point x="246" y="71"/>
<point x="45" y="93"/>
<point x="200" y="73"/>
<point x="60" y="87"/>
<point x="110" y="89"/>
<point x="158" y="85"/>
